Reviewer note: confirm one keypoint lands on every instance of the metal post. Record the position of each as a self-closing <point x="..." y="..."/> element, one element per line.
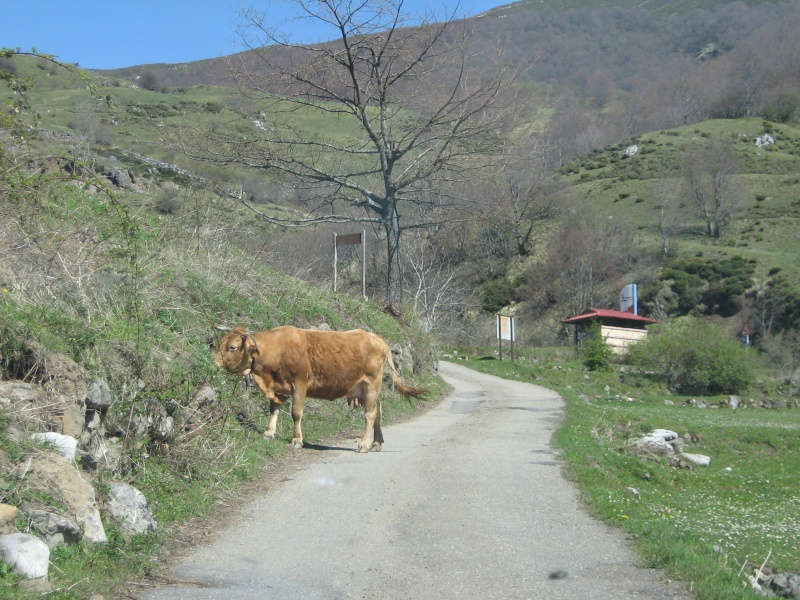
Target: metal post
<point x="335" y="256"/>
<point x="364" y="263"/>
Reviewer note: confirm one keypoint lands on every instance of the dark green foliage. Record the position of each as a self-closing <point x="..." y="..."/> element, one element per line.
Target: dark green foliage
<point x="497" y="294"/>
<point x="693" y="356"/>
<point x="707" y="285"/>
<point x="595" y="353"/>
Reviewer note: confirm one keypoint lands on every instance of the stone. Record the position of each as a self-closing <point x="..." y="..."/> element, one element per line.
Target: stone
<point x="57" y="476"/>
<point x="128" y="507"/>
<point x="23" y="402"/>
<point x="65" y="445"/>
<point x="8" y="519"/>
<point x="697" y="459"/>
<point x="29" y="555"/>
<point x="98" y="395"/>
<point x="54" y="528"/>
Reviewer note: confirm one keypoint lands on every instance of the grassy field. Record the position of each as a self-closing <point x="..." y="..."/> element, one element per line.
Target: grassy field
<point x="708" y="526"/>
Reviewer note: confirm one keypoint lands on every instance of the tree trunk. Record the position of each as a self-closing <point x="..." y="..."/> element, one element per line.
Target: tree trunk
<point x="394" y="270"/>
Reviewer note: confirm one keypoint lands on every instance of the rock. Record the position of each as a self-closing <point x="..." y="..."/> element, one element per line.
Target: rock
<point x="8" y="519"/>
<point x="66" y="381"/>
<point x="128" y="507"/>
<point x="104" y="451"/>
<point x="23" y="401"/>
<point x="697" y="459"/>
<point x="65" y="445"/>
<point x="205" y="396"/>
<point x="785" y="585"/>
<point x="665" y="434"/>
<point x="98" y="395"/>
<point x="651" y="445"/>
<point x="29" y="555"/>
<point x="162" y="429"/>
<point x="54" y="475"/>
<point x="54" y="528"/>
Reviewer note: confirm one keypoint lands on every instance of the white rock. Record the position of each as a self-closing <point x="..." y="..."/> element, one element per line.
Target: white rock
<point x="65" y="445"/>
<point x="29" y="555"/>
<point x="129" y="508"/>
<point x="697" y="459"/>
<point x="665" y="434"/>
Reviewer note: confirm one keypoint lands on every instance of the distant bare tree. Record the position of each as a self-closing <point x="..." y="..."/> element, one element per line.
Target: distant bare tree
<point x="525" y="192"/>
<point x="439" y="295"/>
<point x="708" y="175"/>
<point x="585" y="257"/>
<point x="669" y="215"/>
<point x="398" y="121"/>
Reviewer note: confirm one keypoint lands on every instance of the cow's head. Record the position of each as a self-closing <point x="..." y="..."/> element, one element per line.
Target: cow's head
<point x="237" y="351"/>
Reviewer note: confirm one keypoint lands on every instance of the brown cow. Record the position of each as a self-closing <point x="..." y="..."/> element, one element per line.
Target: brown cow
<point x="287" y="361"/>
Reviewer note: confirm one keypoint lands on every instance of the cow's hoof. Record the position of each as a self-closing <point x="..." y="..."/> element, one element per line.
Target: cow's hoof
<point x="362" y="448"/>
<point x="269" y="436"/>
<point x="297" y="444"/>
<point x="376" y="447"/>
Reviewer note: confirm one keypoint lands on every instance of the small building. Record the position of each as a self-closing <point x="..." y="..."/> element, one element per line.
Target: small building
<point x="618" y="328"/>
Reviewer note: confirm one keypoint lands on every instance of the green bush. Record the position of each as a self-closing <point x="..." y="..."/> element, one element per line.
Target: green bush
<point x="596" y="354"/>
<point x="694" y="357"/>
<point x="497" y="294"/>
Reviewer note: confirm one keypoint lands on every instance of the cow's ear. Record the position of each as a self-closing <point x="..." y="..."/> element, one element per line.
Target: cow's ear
<point x="249" y="344"/>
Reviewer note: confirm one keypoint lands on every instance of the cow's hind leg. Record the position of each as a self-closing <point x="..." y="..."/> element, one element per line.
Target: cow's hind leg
<point x="373" y="436"/>
<point x="298" y="402"/>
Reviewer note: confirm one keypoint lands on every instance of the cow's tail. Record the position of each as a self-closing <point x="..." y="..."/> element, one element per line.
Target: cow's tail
<point x="400" y="385"/>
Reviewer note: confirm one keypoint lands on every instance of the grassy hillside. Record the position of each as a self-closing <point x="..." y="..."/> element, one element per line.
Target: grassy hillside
<point x="766" y="218"/>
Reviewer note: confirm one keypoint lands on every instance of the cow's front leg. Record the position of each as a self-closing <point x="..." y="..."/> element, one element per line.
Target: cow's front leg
<point x="272" y="426"/>
<point x="298" y="402"/>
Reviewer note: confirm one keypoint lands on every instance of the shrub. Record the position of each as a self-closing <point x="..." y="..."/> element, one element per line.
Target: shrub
<point x="596" y="354"/>
<point x="497" y="294"/>
<point x="694" y="357"/>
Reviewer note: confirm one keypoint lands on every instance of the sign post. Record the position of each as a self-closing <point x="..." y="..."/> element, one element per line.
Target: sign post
<point x="506" y="330"/>
<point x="745" y="333"/>
<point x="351" y="239"/>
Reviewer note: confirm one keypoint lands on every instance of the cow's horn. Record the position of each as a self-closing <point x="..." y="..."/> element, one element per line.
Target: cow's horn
<point x="222" y="328"/>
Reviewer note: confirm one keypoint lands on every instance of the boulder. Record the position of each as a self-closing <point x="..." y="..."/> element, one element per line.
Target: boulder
<point x="23" y="401"/>
<point x="54" y="528"/>
<point x="8" y="519"/>
<point x="98" y="395"/>
<point x="65" y="445"/>
<point x="29" y="555"/>
<point x="55" y="475"/>
<point x="128" y="507"/>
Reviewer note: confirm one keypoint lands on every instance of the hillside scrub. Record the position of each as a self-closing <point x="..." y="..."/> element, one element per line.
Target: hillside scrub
<point x="110" y="283"/>
<point x="693" y="356"/>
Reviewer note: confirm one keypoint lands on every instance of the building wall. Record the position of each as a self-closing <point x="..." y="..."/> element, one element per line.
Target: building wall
<point x="619" y="338"/>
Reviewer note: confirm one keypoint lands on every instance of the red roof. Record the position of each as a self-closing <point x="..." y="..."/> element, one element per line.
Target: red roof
<point x="608" y="314"/>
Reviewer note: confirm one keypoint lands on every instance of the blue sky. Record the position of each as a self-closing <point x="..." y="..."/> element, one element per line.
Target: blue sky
<point x="107" y="35"/>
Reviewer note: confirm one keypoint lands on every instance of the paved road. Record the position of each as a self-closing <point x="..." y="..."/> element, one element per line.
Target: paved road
<point x="465" y="502"/>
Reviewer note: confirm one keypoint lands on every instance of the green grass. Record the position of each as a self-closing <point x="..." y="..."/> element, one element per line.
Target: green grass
<point x="701" y="525"/>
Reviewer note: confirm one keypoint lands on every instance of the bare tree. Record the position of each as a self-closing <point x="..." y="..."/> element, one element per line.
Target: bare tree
<point x="382" y="123"/>
<point x="525" y="193"/>
<point x="669" y="223"/>
<point x="440" y="296"/>
<point x="708" y="175"/>
<point x="584" y="261"/>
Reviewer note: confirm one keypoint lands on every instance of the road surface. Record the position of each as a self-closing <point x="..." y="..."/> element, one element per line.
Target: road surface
<point x="465" y="502"/>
